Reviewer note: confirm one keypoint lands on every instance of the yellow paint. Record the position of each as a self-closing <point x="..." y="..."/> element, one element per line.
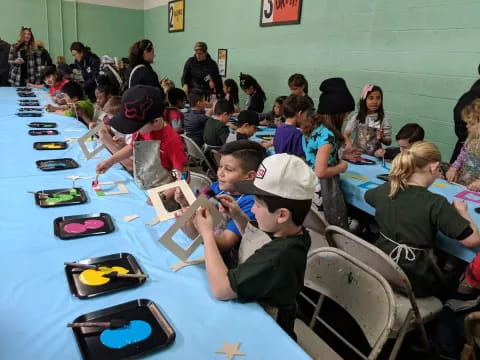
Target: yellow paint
<point x="356" y="177"/>
<point x="440" y="185"/>
<point x="95" y="277"/>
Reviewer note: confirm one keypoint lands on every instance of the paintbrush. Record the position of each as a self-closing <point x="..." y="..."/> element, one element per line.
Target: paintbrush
<point x="116" y="275"/>
<point x="81" y="266"/>
<point x="112" y="324"/>
<point x="95" y="185"/>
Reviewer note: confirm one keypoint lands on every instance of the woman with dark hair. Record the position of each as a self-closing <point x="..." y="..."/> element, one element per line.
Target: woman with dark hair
<point x="140" y="59"/>
<point x="460" y="125"/>
<point x="25" y="60"/>
<point x="89" y="64"/>
<point x="200" y="70"/>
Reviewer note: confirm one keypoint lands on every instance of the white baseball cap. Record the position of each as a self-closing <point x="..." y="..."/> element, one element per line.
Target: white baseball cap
<point x="281" y="175"/>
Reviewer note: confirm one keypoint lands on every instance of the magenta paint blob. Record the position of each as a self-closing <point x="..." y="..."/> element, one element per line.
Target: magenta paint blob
<point x="74" y="228"/>
<point x="93" y="224"/>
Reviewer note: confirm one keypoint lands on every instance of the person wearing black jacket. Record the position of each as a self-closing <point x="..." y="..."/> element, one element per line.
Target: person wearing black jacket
<point x="460" y="125"/>
<point x="46" y="59"/>
<point x="200" y="70"/>
<point x="140" y="70"/>
<point x="89" y="64"/>
<point x="4" y="65"/>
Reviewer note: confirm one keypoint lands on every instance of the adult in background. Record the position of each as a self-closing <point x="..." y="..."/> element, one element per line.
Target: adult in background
<point x="25" y="60"/>
<point x="89" y="65"/>
<point x="4" y="65"/>
<point x="200" y="71"/>
<point x="46" y="59"/>
<point x="140" y="59"/>
<point x="460" y="125"/>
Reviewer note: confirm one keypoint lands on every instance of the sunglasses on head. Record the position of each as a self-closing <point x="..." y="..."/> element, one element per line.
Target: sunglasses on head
<point x="26" y="28"/>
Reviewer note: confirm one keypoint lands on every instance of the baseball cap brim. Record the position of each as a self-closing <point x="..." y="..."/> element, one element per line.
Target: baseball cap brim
<point x="248" y="187"/>
<point x="126" y="126"/>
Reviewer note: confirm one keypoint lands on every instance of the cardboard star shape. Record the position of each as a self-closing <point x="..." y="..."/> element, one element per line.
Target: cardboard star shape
<point x="231" y="350"/>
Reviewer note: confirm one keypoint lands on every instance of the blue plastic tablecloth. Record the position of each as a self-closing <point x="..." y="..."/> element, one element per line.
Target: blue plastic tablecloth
<point x="359" y="178"/>
<point x="35" y="301"/>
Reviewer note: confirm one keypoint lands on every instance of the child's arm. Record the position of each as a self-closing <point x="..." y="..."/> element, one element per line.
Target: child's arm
<point x="386" y="132"/>
<point x="216" y="269"/>
<point x="452" y="173"/>
<point x="119" y="156"/>
<point x="474" y="239"/>
<point x="106" y="139"/>
<point x="322" y="170"/>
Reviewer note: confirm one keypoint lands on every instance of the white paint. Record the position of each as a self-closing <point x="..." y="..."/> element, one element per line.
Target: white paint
<point x="127" y="4"/>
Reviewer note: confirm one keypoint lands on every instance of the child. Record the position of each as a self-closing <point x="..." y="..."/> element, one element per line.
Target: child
<point x="370" y="125"/>
<point x="322" y="139"/>
<point x="239" y="161"/>
<point x="299" y="86"/>
<point x="256" y="95"/>
<point x="410" y="216"/>
<point x="177" y="100"/>
<point x="230" y="88"/>
<point x="216" y="131"/>
<point x="195" y="119"/>
<point x="288" y="138"/>
<point x="55" y="81"/>
<point x="246" y="126"/>
<point x="104" y="91"/>
<point x="407" y="135"/>
<point x="273" y="118"/>
<point x="272" y="263"/>
<point x="78" y="104"/>
<point x="142" y="115"/>
<point x="466" y="169"/>
<point x="108" y="137"/>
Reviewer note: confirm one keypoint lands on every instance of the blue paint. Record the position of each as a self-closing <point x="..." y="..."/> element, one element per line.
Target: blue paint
<point x="136" y="331"/>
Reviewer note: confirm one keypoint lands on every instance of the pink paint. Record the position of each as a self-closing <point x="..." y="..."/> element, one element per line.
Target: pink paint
<point x="93" y="224"/>
<point x="469" y="196"/>
<point x="75" y="228"/>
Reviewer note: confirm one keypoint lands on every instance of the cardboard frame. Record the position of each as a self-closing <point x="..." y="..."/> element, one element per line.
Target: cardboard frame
<point x="122" y="189"/>
<point x="167" y="238"/>
<point x="160" y="209"/>
<point x="84" y="138"/>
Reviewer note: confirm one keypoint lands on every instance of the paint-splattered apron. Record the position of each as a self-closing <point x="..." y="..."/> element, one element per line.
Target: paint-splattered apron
<point x="366" y="138"/>
<point x="470" y="171"/>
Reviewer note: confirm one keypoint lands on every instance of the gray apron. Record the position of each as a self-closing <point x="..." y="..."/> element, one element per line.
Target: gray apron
<point x="253" y="239"/>
<point x="148" y="171"/>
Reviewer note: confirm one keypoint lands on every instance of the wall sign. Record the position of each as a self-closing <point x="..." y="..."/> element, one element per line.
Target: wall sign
<point x="176" y="15"/>
<point x="280" y="12"/>
<point x="222" y="61"/>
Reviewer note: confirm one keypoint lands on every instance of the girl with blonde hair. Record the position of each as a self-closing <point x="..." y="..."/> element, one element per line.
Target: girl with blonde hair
<point x="466" y="168"/>
<point x="410" y="216"/>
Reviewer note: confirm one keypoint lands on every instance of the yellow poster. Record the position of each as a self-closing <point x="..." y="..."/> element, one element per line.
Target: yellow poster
<point x="176" y="15"/>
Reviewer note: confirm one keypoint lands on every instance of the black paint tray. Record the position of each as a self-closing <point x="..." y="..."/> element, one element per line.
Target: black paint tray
<point x="43" y="125"/>
<point x="56" y="164"/>
<point x="83" y="291"/>
<point x="60" y="222"/>
<point x="88" y="339"/>
<point x="50" y="145"/>
<point x="42" y="132"/>
<point x="79" y="197"/>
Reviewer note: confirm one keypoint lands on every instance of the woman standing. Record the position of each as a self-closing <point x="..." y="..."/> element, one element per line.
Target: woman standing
<point x="140" y="59"/>
<point x="89" y="64"/>
<point x="200" y="70"/>
<point x="25" y="60"/>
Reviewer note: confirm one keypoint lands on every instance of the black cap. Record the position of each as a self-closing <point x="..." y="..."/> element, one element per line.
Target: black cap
<point x="141" y="104"/>
<point x="335" y="97"/>
<point x="248" y="117"/>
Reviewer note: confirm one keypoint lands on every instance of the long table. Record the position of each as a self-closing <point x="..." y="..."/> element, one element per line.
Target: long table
<point x="360" y="178"/>
<point x="35" y="301"/>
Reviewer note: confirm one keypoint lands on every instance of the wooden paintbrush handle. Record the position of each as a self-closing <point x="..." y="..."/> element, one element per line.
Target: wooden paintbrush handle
<point x="90" y="324"/>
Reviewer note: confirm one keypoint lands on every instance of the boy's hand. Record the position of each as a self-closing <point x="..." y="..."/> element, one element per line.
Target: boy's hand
<point x="380" y="153"/>
<point x="452" y="174"/>
<point x="203" y="222"/>
<point x="461" y="206"/>
<point x="343" y="166"/>
<point x="229" y="206"/>
<point x="103" y="166"/>
<point x="119" y="140"/>
<point x="474" y="186"/>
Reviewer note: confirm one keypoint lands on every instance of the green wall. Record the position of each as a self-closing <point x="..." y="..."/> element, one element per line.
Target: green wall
<point x="423" y="53"/>
<point x="107" y="30"/>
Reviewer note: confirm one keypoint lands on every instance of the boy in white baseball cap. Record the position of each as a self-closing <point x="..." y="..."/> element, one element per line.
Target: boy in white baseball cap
<point x="272" y="257"/>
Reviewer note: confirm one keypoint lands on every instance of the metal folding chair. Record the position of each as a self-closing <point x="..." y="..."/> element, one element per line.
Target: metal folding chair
<point x="196" y="155"/>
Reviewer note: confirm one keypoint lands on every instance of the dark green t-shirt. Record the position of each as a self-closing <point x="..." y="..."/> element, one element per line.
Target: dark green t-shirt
<point x="274" y="273"/>
<point x="215" y="132"/>
<point x="414" y="217"/>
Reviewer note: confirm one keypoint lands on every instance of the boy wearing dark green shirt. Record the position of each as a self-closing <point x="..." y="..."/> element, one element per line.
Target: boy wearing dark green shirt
<point x="272" y="257"/>
<point x="216" y="131"/>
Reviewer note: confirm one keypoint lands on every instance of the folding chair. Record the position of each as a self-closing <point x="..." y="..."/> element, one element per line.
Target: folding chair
<point x="472" y="336"/>
<point x="355" y="287"/>
<point x="316" y="225"/>
<point x="196" y="155"/>
<point x="411" y="312"/>
<point x="198" y="182"/>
